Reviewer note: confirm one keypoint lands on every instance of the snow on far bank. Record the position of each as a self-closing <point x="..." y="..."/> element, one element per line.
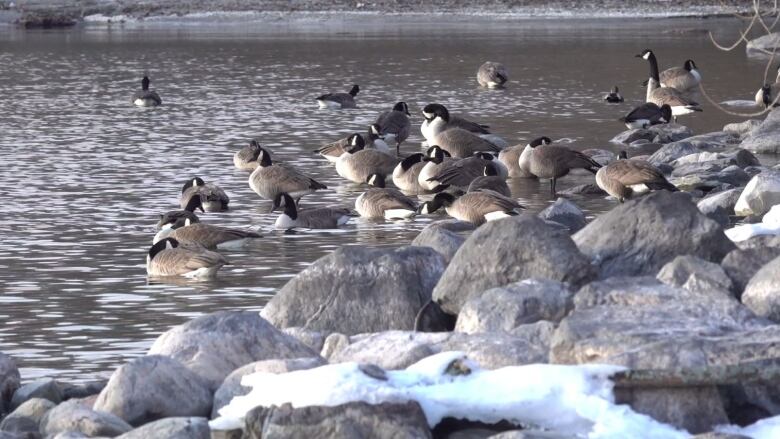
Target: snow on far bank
<point x="769" y="225"/>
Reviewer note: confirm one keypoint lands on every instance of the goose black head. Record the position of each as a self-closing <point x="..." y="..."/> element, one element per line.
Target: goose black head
<point x="766" y="95"/>
<point x="622" y="155"/>
<point x="615" y="90"/>
<point x="376" y="180"/>
<point x="264" y="157"/>
<point x="432" y="111"/>
<point x="484" y="156"/>
<point x="411" y="160"/>
<point x="442" y="199"/>
<point x="286" y="201"/>
<point x="490" y="170"/>
<point x="544" y="140"/>
<point x="646" y="54"/>
<point x="436" y="154"/>
<point x="355" y="143"/>
<point x="666" y="113"/>
<point x="354" y="90"/>
<point x="402" y="107"/>
<point x="163" y="244"/>
<point x="145" y="83"/>
<point x="197" y="181"/>
<point x="689" y="65"/>
<point x="195" y="202"/>
<point x="375" y="132"/>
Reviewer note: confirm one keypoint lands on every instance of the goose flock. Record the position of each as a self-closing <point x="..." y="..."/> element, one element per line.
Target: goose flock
<point x="463" y="169"/>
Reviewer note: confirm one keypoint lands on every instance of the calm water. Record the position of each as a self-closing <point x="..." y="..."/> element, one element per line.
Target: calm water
<point x="84" y="174"/>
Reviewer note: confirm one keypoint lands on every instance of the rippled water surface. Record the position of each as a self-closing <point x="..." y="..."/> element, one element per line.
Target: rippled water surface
<point x="84" y="174"/>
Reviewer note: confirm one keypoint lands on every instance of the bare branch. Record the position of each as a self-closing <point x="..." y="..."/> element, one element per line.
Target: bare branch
<point x="742" y="37"/>
<point x="733" y="113"/>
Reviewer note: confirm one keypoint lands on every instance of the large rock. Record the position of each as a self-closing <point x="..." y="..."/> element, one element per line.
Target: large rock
<point x="640" y="236"/>
<point x="441" y="239"/>
<point x="505" y="308"/>
<point x="9" y="381"/>
<point x="761" y="193"/>
<point x="45" y="388"/>
<point x="720" y="205"/>
<point x="154" y="387"/>
<point x="26" y="419"/>
<point x="672" y="151"/>
<point x="696" y="275"/>
<point x="564" y="212"/>
<point x="313" y="339"/>
<point x="764" y="45"/>
<point x="353" y="420"/>
<point x="765" y="138"/>
<point x="762" y="293"/>
<point x="510" y="250"/>
<point x="742" y="264"/>
<point x="358" y="289"/>
<point x="656" y="134"/>
<point x="232" y="387"/>
<point x="73" y="416"/>
<point x="739" y="157"/>
<point x="216" y="344"/>
<point x="742" y="128"/>
<point x="172" y="428"/>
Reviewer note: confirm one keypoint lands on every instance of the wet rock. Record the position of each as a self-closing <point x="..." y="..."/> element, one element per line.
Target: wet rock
<point x="656" y="134"/>
<point x="72" y="416"/>
<point x="740" y="157"/>
<point x="505" y="308"/>
<point x="82" y="390"/>
<point x="601" y="156"/>
<point x="353" y="420"/>
<point x="344" y="291"/>
<point x="441" y="239"/>
<point x="530" y="434"/>
<point x="9" y="381"/>
<point x="46" y="19"/>
<point x="26" y="419"/>
<point x="45" y="388"/>
<point x="216" y="344"/>
<point x="742" y="264"/>
<point x="762" y="293"/>
<point x="232" y="387"/>
<point x="697" y="275"/>
<point x="566" y="213"/>
<point x="631" y="136"/>
<point x="172" y="428"/>
<point x="760" y="194"/>
<point x="494" y="256"/>
<point x="721" y="203"/>
<point x="313" y="339"/>
<point x="765" y="138"/>
<point x="696" y="168"/>
<point x="640" y="236"/>
<point x="759" y="241"/>
<point x="694" y="409"/>
<point x="742" y="128"/>
<point x="583" y="189"/>
<point x="672" y="151"/>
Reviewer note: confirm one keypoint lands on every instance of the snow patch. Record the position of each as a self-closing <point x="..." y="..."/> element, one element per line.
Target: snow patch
<point x="769" y="225"/>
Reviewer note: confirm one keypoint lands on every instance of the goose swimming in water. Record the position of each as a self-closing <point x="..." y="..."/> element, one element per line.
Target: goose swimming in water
<point x="339" y="100"/>
<point x="665" y="95"/>
<point x="213" y="198"/>
<point x="490" y="180"/>
<point x="438" y="119"/>
<point x="492" y="75"/>
<point x="146" y="97"/>
<point x="172" y="217"/>
<point x="462" y="172"/>
<point x="406" y="174"/>
<point x="313" y="218"/>
<point x="382" y="202"/>
<point x="245" y="159"/>
<point x="646" y="115"/>
<point x="613" y="97"/>
<point x="684" y="79"/>
<point x="270" y="180"/>
<point x="207" y="236"/>
<point x="358" y="163"/>
<point x="438" y="161"/>
<point x="474" y="207"/>
<point x="168" y="258"/>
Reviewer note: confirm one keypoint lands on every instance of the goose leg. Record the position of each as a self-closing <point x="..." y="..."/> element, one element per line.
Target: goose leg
<point x="552" y="187"/>
<point x="398" y="149"/>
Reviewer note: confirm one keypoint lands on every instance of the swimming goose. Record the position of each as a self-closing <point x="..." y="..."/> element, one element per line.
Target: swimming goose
<point x="205" y="235"/>
<point x="474" y="207"/>
<point x="613" y="97"/>
<point x="339" y="100"/>
<point x="171" y="217"/>
<point x="464" y="171"/>
<point x="406" y="173"/>
<point x="314" y="218"/>
<point x="394" y="125"/>
<point x="382" y="202"/>
<point x="768" y="93"/>
<point x="358" y="163"/>
<point x="490" y="180"/>
<point x="492" y="74"/>
<point x="245" y="159"/>
<point x="146" y="97"/>
<point x="524" y="160"/>
<point x="167" y="258"/>
<point x="332" y="151"/>
<point x="665" y="95"/>
<point x="461" y="143"/>
<point x="554" y="162"/>
<point x="646" y="115"/>
<point x="684" y="79"/>
<point x="438" y="119"/>
<point x="270" y="180"/>
<point x="213" y="198"/>
<point x="624" y="178"/>
<point x="438" y="161"/>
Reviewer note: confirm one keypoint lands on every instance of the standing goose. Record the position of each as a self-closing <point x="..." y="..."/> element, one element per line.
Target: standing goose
<point x="406" y="174"/>
<point x="684" y="79"/>
<point x="524" y="160"/>
<point x="464" y="171"/>
<point x="768" y="93"/>
<point x="146" y="97"/>
<point x="375" y="140"/>
<point x="339" y="100"/>
<point x="394" y="125"/>
<point x="381" y="202"/>
<point x="490" y="180"/>
<point x="461" y="143"/>
<point x="358" y="163"/>
<point x="213" y="198"/>
<point x="332" y="151"/>
<point x="205" y="235"/>
<point x="613" y="97"/>
<point x="554" y="162"/>
<point x="270" y="180"/>
<point x="167" y="258"/>
<point x="492" y="74"/>
<point x="474" y="207"/>
<point x="438" y="161"/>
<point x="316" y="218"/>
<point x="172" y="217"/>
<point x="245" y="159"/>
<point x="624" y="178"/>
<point x="646" y="115"/>
<point x="665" y="95"/>
<point x="438" y="119"/>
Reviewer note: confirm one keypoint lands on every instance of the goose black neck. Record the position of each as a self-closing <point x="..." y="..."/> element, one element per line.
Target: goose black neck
<point x="653" y="68"/>
<point x="289" y="207"/>
<point x="145" y="84"/>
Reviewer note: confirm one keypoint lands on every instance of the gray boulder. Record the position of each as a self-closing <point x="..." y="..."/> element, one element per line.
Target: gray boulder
<point x="45" y="388"/>
<point x="761" y="193"/>
<point x="441" y="239"/>
<point x="26" y="419"/>
<point x="73" y="416"/>
<point x="505" y="308"/>
<point x="154" y="387"/>
<point x="232" y="387"/>
<point x="739" y="157"/>
<point x="670" y="132"/>
<point x="719" y="205"/>
<point x="640" y="236"/>
<point x="216" y="344"/>
<point x="765" y="138"/>
<point x="313" y="339"/>
<point x="742" y="128"/>
<point x="9" y="381"/>
<point x="672" y="151"/>
<point x="762" y="293"/>
<point x="583" y="189"/>
<point x="630" y="136"/>
<point x="531" y="434"/>
<point x="358" y="289"/>
<point x="510" y="250"/>
<point x="172" y="428"/>
<point x="564" y="212"/>
<point x="696" y="275"/>
<point x="742" y="264"/>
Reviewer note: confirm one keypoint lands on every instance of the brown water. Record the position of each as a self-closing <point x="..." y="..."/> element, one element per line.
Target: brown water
<point x="84" y="174"/>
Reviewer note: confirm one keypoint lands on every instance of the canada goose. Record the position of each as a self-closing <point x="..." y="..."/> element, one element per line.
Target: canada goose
<point x="358" y="163"/>
<point x="315" y="218"/>
<point x="332" y="151"/>
<point x="474" y="207"/>
<point x="461" y="143"/>
<point x="438" y="119"/>
<point x="684" y="79"/>
<point x="490" y="180"/>
<point x="146" y="97"/>
<point x="245" y="159"/>
<point x="382" y="202"/>
<point x="665" y="95"/>
<point x="768" y="93"/>
<point x="623" y="178"/>
<point x="464" y="171"/>
<point x="553" y="162"/>
<point x="406" y="173"/>
<point x="167" y="258"/>
<point x="205" y="235"/>
<point x="524" y="160"/>
<point x="375" y="140"/>
<point x="171" y="217"/>
<point x="492" y="74"/>
<point x="438" y="161"/>
<point x="270" y="180"/>
<point x="213" y="198"/>
<point x="646" y="115"/>
<point x="613" y="97"/>
<point x="339" y="100"/>
<point x="394" y="125"/>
